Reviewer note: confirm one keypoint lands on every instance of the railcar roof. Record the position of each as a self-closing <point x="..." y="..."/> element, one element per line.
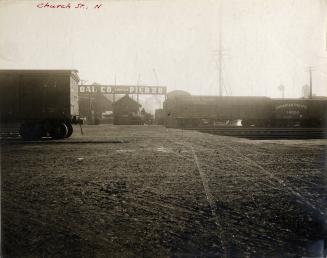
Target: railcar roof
<point x="73" y="72"/>
<point x="306" y="99"/>
<point x="226" y="97"/>
<point x="39" y="70"/>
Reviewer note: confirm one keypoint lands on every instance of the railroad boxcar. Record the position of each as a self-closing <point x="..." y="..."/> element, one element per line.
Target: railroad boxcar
<point x="43" y="102"/>
<point x="299" y="112"/>
<point x="183" y="110"/>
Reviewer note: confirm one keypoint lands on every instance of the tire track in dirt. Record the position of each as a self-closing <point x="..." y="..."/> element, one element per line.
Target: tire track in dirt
<point x="205" y="186"/>
<point x="211" y="201"/>
<point x="295" y="192"/>
<point x="271" y="180"/>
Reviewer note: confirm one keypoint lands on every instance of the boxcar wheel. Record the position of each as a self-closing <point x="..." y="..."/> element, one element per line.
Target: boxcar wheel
<point x="25" y="132"/>
<point x="58" y="131"/>
<point x="69" y="129"/>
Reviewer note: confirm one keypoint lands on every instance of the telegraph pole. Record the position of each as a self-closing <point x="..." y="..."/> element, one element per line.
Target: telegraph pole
<point x="220" y="50"/>
<point x="310" y="84"/>
<point x="114" y="100"/>
<point x="90" y="104"/>
<point x="282" y="89"/>
<point x="157" y="83"/>
<point x="138" y="85"/>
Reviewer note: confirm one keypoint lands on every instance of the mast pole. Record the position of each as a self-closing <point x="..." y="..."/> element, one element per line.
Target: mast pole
<point x="220" y="50"/>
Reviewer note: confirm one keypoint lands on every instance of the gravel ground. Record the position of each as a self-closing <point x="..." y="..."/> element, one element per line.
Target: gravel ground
<point x="148" y="191"/>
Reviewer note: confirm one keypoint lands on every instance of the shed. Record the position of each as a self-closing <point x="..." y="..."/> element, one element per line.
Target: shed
<point x="127" y="111"/>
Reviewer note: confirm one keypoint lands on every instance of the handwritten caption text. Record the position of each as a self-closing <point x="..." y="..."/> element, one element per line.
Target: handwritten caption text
<point x="83" y="6"/>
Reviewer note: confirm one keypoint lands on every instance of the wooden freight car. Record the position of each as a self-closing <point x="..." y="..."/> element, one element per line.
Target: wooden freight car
<point x="184" y="110"/>
<point x="43" y="102"/>
<point x="299" y="112"/>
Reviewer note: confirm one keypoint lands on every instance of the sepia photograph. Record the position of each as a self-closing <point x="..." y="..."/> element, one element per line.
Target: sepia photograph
<point x="163" y="128"/>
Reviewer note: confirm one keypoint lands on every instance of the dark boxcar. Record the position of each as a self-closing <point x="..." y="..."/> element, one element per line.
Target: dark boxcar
<point x="198" y="111"/>
<point x="44" y="102"/>
<point x="184" y="110"/>
<point x="299" y="112"/>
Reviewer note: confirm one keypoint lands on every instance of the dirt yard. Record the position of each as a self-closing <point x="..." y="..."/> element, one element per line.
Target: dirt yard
<point x="148" y="191"/>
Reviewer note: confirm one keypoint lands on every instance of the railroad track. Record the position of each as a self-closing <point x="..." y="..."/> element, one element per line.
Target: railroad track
<point x="251" y="133"/>
<point x="266" y="133"/>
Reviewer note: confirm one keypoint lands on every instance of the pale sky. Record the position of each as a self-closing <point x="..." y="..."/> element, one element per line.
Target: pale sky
<point x="174" y="43"/>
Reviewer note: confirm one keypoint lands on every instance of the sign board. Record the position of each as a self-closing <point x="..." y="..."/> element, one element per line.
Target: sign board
<point x="122" y="89"/>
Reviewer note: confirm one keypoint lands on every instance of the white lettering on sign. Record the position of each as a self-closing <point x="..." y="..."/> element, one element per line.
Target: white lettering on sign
<point x="291" y="105"/>
<point x="105" y="89"/>
<point x="87" y="89"/>
<point x="122" y="89"/>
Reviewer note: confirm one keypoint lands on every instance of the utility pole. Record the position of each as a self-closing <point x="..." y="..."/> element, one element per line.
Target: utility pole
<point x="138" y="84"/>
<point x="156" y="76"/>
<point x="114" y="91"/>
<point x="220" y="50"/>
<point x="114" y="101"/>
<point x="157" y="84"/>
<point x="90" y="104"/>
<point x="282" y="89"/>
<point x="310" y="84"/>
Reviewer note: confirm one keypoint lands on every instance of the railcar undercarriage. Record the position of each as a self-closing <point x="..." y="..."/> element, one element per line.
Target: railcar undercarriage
<point x="56" y="129"/>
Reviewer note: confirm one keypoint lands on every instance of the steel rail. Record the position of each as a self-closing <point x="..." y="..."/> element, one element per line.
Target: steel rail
<point x="266" y="133"/>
